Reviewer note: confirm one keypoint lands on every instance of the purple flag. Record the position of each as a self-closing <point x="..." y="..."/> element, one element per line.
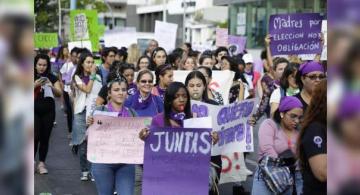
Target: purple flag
<point x="236" y="44"/>
<point x="177" y="161"/>
<point x="295" y="33"/>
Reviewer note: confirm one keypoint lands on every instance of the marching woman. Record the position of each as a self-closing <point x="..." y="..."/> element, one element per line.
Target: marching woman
<point x="176" y="110"/>
<point x="312" y="143"/>
<point x="46" y="86"/>
<point x="158" y="57"/>
<point x="309" y="75"/>
<point x="164" y="76"/>
<point x="114" y="177"/>
<point x="143" y="63"/>
<point x="147" y="105"/>
<point x="277" y="143"/>
<point x="87" y="85"/>
<point x="212" y="94"/>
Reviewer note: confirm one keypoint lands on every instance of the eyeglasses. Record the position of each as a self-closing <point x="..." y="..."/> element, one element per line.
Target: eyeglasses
<point x="294" y="117"/>
<point x="314" y="77"/>
<point x="146" y="81"/>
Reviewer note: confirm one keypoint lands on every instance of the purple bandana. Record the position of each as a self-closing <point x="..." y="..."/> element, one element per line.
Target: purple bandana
<point x="85" y="79"/>
<point x="349" y="106"/>
<point x="177" y="117"/>
<point x="289" y="102"/>
<point x="122" y="113"/>
<point x="140" y="103"/>
<point x="310" y="67"/>
<point x="132" y="89"/>
<point x="161" y="92"/>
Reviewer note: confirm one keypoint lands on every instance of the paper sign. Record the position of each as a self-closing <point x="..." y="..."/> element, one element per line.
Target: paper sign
<point x="237" y="44"/>
<point x="81" y="28"/>
<point x="165" y="34"/>
<point x="230" y="121"/>
<point x="221" y="37"/>
<point x="46" y="40"/>
<point x="295" y="33"/>
<point x="120" y="37"/>
<point x="116" y="140"/>
<point x="80" y="44"/>
<point x="233" y="168"/>
<point x="177" y="161"/>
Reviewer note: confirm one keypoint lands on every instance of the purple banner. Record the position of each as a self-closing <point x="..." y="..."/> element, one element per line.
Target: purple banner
<point x="237" y="44"/>
<point x="295" y="33"/>
<point x="177" y="161"/>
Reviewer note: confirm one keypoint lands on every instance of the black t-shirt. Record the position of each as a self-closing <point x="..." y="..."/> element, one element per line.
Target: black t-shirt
<point x="43" y="105"/>
<point x="305" y="105"/>
<point x="313" y="143"/>
<point x="103" y="93"/>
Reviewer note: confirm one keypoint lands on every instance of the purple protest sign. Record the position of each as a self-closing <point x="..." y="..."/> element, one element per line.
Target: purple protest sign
<point x="177" y="161"/>
<point x="236" y="44"/>
<point x="295" y="33"/>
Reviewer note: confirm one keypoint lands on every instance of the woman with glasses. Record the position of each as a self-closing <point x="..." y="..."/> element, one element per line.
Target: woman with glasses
<point x="309" y="75"/>
<point x="147" y="105"/>
<point x="277" y="136"/>
<point x="115" y="177"/>
<point x="164" y="76"/>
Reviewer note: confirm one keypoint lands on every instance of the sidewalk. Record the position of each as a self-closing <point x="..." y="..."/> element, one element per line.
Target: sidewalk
<point x="63" y="166"/>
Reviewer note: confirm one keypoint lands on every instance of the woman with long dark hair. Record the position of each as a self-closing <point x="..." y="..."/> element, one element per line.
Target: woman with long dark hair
<point x="158" y="57"/>
<point x="164" y="76"/>
<point x="87" y="85"/>
<point x="311" y="145"/>
<point x="46" y="86"/>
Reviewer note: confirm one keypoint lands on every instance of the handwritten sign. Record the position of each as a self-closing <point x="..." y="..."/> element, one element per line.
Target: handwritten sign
<point x="46" y="40"/>
<point x="177" y="161"/>
<point x="295" y="33"/>
<point x="165" y="34"/>
<point x="116" y="140"/>
<point x="230" y="121"/>
<point x="237" y="44"/>
<point x="233" y="168"/>
<point x="221" y="37"/>
<point x="81" y="28"/>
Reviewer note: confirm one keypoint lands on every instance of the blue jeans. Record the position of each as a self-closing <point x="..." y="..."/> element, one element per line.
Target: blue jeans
<point x="259" y="185"/>
<point x="114" y="177"/>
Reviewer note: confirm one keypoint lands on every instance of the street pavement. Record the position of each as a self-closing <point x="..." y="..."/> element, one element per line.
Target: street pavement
<point x="64" y="168"/>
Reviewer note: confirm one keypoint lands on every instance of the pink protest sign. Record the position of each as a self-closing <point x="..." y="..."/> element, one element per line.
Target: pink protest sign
<point x="116" y="140"/>
<point x="222" y="37"/>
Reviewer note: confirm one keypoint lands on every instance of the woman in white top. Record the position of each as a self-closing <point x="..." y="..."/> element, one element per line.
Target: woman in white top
<point x="87" y="85"/>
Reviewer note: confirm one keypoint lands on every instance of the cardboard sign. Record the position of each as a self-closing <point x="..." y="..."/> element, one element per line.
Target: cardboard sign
<point x="165" y="34"/>
<point x="116" y="139"/>
<point x="177" y="161"/>
<point x="295" y="33"/>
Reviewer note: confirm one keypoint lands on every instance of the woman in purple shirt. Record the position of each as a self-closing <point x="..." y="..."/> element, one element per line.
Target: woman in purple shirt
<point x="277" y="136"/>
<point x="164" y="76"/>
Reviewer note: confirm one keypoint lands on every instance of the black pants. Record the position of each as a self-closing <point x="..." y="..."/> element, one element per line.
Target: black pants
<point x="43" y="124"/>
<point x="68" y="109"/>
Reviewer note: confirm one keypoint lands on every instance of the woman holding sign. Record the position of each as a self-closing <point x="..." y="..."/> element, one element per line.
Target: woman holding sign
<point x="176" y="110"/>
<point x="277" y="172"/>
<point x="115" y="177"/>
<point x="145" y="104"/>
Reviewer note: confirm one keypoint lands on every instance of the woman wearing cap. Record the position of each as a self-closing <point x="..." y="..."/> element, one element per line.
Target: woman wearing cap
<point x="312" y="143"/>
<point x="309" y="75"/>
<point x="251" y="76"/>
<point x="277" y="136"/>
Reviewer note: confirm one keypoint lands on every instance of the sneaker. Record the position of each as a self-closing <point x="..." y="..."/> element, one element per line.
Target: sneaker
<point x="41" y="169"/>
<point x="85" y="176"/>
<point x="91" y="177"/>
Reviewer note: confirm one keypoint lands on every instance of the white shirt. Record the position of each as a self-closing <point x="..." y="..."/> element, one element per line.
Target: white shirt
<point x="68" y="66"/>
<point x="275" y="96"/>
<point x="83" y="100"/>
